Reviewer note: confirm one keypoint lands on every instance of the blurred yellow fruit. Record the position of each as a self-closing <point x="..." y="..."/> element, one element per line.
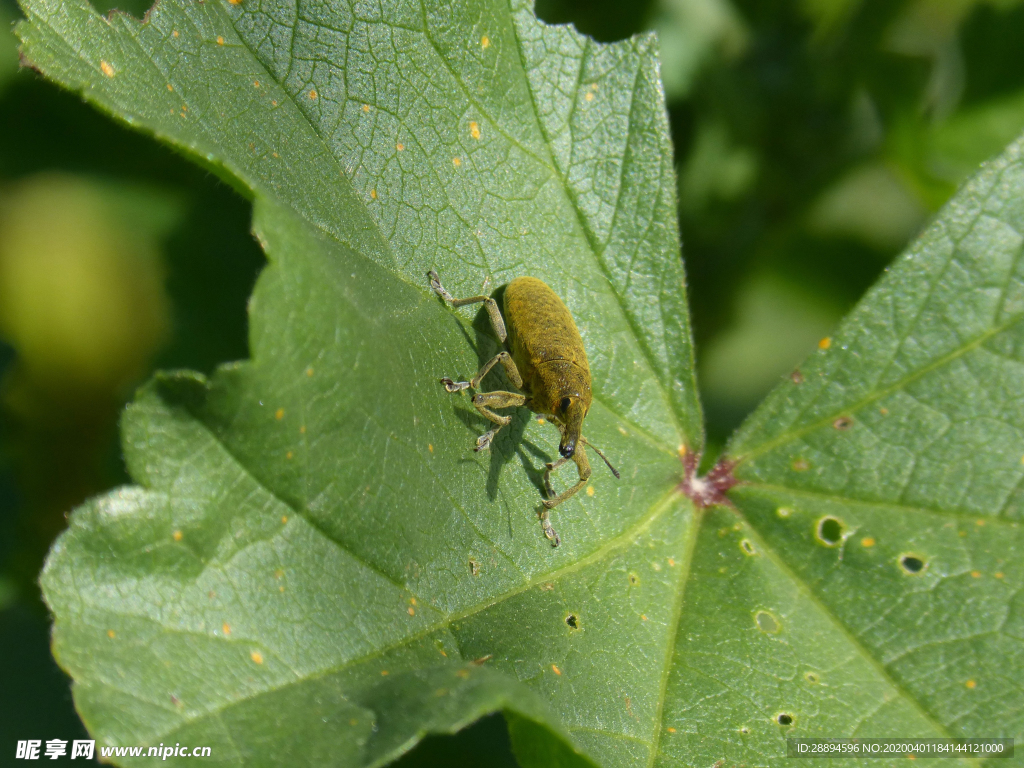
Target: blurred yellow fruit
<point x="81" y="286"/>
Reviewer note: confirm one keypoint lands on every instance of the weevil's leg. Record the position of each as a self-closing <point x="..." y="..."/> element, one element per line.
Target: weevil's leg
<point x="502" y="357"/>
<point x="579" y="457"/>
<point x="551" y="467"/>
<point x="484" y="402"/>
<point x="489" y="304"/>
<point x="550" y="533"/>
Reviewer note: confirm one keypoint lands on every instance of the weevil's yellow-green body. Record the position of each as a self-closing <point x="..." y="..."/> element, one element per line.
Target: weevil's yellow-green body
<point x="548" y="351"/>
<point x="547" y="363"/>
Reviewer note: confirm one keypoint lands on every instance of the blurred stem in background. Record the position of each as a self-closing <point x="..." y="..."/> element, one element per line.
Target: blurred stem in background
<point x="813" y="139"/>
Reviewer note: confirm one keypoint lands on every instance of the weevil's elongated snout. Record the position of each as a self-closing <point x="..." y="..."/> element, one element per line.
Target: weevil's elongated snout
<point x="573" y="420"/>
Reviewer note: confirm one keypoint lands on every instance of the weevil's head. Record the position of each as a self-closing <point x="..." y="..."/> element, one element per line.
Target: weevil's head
<point x="568" y="389"/>
<point x="571" y="411"/>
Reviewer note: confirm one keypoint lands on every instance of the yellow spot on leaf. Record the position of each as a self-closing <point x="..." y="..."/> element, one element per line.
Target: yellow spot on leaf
<point x="623" y="432"/>
<point x="671" y="562"/>
<point x="177" y="535"/>
<point x="226" y="629"/>
<point x="106" y="69"/>
<point x="235" y="2"/>
<point x="279" y="414"/>
<point x="971" y="684"/>
<point x="220" y="40"/>
<point x="590" y="490"/>
<point x="256" y="656"/>
<point x="312" y="93"/>
<point x="400" y="147"/>
<point x="555" y="669"/>
<point x="366" y="107"/>
<point x="884" y="411"/>
<point x="825" y="343"/>
<point x="463" y="673"/>
<point x="979" y="523"/>
<point x="671" y="730"/>
<point x="412" y="601"/>
<point x="485" y="42"/>
<point x="976" y="574"/>
<point x="284" y="519"/>
<point x="302" y="429"/>
<point x="281" y="588"/>
<point x="998" y="574"/>
<point x="289" y="455"/>
<point x="412" y="611"/>
<point x="867" y="541"/>
<point x="643" y="617"/>
<point x="783" y="511"/>
<point x="456" y="161"/>
<point x="474" y="129"/>
<point x="174" y="33"/>
<point x="255" y="83"/>
<point x="430" y="447"/>
<point x="373" y="193"/>
<point x="111" y="634"/>
<point x="541" y="421"/>
<point x="170" y="87"/>
<point x="384" y="673"/>
<point x="589" y="96"/>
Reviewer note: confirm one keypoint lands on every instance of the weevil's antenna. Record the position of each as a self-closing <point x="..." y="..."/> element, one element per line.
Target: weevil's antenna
<point x="598" y="452"/>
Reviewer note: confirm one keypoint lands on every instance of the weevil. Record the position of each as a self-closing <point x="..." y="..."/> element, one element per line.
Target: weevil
<point x="545" y="359"/>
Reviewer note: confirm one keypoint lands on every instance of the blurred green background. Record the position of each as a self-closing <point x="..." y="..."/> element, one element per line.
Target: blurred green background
<point x="813" y="139"/>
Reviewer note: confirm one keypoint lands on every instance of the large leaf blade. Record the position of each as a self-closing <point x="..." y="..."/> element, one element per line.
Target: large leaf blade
<point x="905" y="430"/>
<point x="353" y="168"/>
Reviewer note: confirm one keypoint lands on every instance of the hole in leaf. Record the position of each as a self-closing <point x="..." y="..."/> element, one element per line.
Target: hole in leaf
<point x="744" y="730"/>
<point x="812" y="678"/>
<point x="634" y="579"/>
<point x="767" y="623"/>
<point x="783" y="718"/>
<point x="830" y="531"/>
<point x="748" y="547"/>
<point x="912" y="563"/>
<point x="572" y="621"/>
<point x="843" y="423"/>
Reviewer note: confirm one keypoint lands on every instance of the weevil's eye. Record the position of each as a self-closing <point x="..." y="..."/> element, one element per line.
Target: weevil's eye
<point x="564" y="405"/>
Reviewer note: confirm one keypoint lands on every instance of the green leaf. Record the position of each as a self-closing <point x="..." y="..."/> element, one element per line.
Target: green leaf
<point x="884" y="480"/>
<point x="317" y="517"/>
<point x="306" y="522"/>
